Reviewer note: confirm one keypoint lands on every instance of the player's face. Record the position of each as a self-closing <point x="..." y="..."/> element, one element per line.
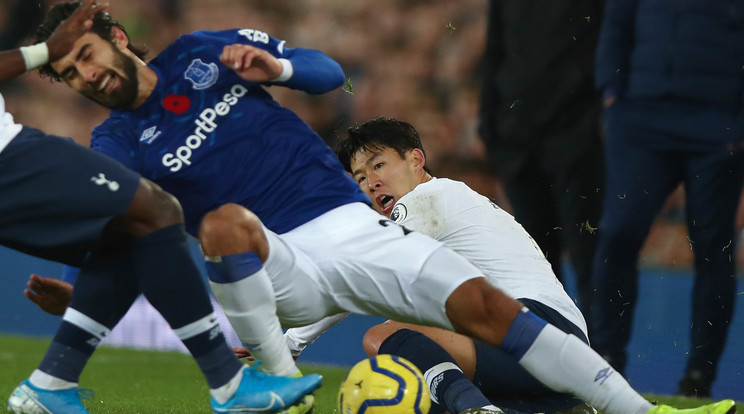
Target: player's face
<point x="386" y="177"/>
<point x="100" y="71"/>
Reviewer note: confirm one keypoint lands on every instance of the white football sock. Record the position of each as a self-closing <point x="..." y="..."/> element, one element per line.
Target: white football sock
<point x="225" y="392"/>
<point x="250" y="306"/>
<point x="577" y="369"/>
<point x="45" y="381"/>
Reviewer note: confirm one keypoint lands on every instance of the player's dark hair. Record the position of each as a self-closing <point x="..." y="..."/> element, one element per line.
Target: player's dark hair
<point x="376" y="135"/>
<point x="102" y="24"/>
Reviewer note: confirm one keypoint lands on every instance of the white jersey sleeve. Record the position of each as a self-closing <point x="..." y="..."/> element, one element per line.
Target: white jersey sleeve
<point x="488" y="237"/>
<point x="422" y="210"/>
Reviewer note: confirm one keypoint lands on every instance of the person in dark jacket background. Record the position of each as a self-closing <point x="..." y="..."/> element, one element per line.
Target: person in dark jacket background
<point x="540" y="123"/>
<point x="671" y="73"/>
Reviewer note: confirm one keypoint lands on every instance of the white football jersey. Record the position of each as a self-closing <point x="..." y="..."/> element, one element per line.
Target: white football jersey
<point x="488" y="237"/>
<point x="8" y="128"/>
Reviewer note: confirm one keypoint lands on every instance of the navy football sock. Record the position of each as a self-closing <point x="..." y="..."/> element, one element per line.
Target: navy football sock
<point x="69" y="352"/>
<point x="171" y="281"/>
<point x="448" y="385"/>
<point x="104" y="291"/>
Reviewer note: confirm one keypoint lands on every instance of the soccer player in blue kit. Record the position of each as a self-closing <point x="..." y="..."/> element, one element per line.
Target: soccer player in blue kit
<point x="63" y="202"/>
<point x="284" y="230"/>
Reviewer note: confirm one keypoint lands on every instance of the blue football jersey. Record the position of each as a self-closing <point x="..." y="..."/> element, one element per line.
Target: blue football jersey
<point x="209" y="137"/>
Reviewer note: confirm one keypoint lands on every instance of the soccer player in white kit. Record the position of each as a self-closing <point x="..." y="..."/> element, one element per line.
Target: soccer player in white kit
<point x="387" y="159"/>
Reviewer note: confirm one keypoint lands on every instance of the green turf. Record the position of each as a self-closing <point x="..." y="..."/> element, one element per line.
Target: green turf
<point x="129" y="381"/>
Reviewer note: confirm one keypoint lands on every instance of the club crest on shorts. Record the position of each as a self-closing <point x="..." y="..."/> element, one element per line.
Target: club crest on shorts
<point x="202" y="75"/>
<point x="399" y="213"/>
<point x="101" y="180"/>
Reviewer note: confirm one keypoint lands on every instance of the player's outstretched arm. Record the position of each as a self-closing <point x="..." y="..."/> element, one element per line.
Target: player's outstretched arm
<point x="51" y="295"/>
<point x="251" y="63"/>
<point x="307" y="70"/>
<point x="17" y="61"/>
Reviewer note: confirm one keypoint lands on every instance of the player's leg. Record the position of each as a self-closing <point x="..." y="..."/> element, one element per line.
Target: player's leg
<point x="164" y="252"/>
<point x="561" y="361"/>
<point x="450" y="362"/>
<point x="163" y="263"/>
<point x="460" y="347"/>
<point x="509" y="386"/>
<point x="371" y="265"/>
<point x="87" y="189"/>
<point x="62" y="219"/>
<point x="235" y="246"/>
<point x="446" y="359"/>
<point x="103" y="294"/>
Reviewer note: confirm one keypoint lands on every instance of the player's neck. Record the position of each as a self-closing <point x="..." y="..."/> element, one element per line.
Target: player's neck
<point x="147" y="79"/>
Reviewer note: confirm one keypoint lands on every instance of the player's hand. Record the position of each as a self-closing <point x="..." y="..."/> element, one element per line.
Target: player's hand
<point x="251" y="63"/>
<point x="242" y="353"/>
<point x="61" y="41"/>
<point x="52" y="295"/>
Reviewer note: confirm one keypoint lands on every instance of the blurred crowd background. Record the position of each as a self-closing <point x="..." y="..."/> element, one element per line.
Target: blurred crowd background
<point x="415" y="60"/>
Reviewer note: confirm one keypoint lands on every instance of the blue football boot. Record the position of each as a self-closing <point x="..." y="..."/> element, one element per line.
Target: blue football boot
<point x="27" y="399"/>
<point x="259" y="392"/>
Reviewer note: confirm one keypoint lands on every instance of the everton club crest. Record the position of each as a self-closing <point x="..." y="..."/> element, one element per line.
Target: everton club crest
<point x="202" y="75"/>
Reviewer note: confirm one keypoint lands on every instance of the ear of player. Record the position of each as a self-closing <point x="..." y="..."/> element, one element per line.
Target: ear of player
<point x="384" y="384"/>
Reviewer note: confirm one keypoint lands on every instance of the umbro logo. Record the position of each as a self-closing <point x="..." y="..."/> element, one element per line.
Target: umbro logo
<point x="101" y="180"/>
<point x="602" y="375"/>
<point x="149" y="135"/>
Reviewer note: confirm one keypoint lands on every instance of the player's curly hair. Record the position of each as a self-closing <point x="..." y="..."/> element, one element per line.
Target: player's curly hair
<point x="102" y="24"/>
<point x="377" y="134"/>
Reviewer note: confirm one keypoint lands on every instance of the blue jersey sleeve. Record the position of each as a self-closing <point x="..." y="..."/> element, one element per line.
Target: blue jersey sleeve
<point x="314" y="71"/>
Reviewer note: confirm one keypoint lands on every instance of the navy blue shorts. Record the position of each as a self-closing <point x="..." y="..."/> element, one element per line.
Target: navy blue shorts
<point x="509" y="386"/>
<point x="57" y="196"/>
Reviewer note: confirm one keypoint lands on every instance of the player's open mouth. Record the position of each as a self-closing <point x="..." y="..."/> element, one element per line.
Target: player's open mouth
<point x="385" y="202"/>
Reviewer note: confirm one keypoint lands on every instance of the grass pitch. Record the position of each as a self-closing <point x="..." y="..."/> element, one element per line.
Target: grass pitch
<point x="130" y="381"/>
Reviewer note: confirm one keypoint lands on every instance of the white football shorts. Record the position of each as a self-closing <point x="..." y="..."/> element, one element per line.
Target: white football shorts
<point x="354" y="259"/>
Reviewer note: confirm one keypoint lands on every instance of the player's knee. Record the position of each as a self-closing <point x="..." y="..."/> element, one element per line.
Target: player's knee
<point x="151" y="209"/>
<point x="228" y="221"/>
<point x="373" y="338"/>
<point x="385" y="337"/>
<point x="481" y="311"/>
<point x="231" y="229"/>
<point x="169" y="210"/>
